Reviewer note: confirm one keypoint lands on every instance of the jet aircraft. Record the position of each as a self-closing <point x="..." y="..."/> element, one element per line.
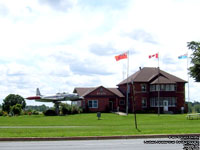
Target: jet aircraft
<point x="56" y="99"/>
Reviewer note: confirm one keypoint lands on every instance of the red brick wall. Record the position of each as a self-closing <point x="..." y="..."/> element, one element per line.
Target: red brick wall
<point x="103" y="104"/>
<point x="138" y="95"/>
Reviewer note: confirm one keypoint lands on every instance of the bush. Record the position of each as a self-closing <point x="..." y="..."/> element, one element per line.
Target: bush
<point x="68" y="109"/>
<point x="65" y="109"/>
<point x="50" y="112"/>
<point x="27" y="112"/>
<point x="1" y="113"/>
<point x="75" y="110"/>
<point x="5" y="113"/>
<point x="16" y="109"/>
<point x="35" y="112"/>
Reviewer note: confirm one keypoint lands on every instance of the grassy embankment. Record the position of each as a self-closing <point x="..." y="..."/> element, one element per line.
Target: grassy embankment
<point x="89" y="125"/>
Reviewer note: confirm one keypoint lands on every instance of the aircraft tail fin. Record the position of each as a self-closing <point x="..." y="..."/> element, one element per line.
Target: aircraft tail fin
<point x="38" y="92"/>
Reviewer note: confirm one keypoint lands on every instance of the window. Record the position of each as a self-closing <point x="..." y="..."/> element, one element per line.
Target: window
<point x="83" y="104"/>
<point x="172" y="102"/>
<point x="163" y="87"/>
<point x="154" y="101"/>
<point x="93" y="103"/>
<point x="172" y="87"/>
<point x="157" y="87"/>
<point x="122" y="102"/>
<point x="144" y="102"/>
<point x="167" y="87"/>
<point x="143" y="87"/>
<point x="152" y="87"/>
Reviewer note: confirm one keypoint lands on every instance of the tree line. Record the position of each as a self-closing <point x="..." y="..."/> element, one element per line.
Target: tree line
<point x="15" y="105"/>
<point x="40" y="108"/>
<point x="193" y="107"/>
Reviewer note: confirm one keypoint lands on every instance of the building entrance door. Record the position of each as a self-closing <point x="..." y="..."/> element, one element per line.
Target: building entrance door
<point x="165" y="105"/>
<point x="110" y="105"/>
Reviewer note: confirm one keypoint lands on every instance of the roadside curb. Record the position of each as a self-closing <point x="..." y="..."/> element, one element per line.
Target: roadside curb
<point x="96" y="137"/>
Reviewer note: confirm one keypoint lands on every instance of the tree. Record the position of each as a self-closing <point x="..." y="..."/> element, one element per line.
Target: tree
<point x="12" y="100"/>
<point x="194" y="70"/>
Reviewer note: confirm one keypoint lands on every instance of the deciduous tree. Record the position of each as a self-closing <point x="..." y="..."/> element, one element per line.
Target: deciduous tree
<point x="194" y="70"/>
<point x="12" y="100"/>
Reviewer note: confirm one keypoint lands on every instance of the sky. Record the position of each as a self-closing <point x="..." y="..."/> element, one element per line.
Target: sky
<point x="57" y="45"/>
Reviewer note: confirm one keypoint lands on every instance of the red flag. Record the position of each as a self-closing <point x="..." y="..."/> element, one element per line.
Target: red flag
<point x="155" y="55"/>
<point x="121" y="56"/>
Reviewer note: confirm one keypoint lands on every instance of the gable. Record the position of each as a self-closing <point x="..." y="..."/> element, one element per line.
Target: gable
<point x="98" y="91"/>
<point x="101" y="91"/>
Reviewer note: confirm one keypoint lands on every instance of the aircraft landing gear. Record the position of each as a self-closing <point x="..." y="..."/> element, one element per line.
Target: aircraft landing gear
<point x="57" y="107"/>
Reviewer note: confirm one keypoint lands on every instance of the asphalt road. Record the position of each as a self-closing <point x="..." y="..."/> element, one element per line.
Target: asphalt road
<point x="131" y="144"/>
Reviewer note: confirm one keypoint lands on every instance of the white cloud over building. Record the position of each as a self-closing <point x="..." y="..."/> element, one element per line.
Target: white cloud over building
<point x="57" y="45"/>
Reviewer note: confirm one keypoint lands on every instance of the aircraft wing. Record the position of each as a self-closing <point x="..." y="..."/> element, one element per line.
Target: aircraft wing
<point x="33" y="98"/>
<point x="72" y="97"/>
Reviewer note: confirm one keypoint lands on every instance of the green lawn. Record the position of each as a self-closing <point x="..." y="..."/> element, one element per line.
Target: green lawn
<point x="89" y="125"/>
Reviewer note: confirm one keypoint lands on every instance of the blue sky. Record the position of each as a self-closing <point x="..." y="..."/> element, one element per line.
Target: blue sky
<point x="58" y="45"/>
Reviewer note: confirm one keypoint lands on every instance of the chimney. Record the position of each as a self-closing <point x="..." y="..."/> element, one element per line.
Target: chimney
<point x="140" y="68"/>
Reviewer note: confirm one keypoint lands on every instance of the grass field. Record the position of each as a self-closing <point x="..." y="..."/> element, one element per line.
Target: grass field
<point x="89" y="125"/>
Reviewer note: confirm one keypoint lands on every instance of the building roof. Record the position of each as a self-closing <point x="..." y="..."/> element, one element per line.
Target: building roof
<point x="162" y="80"/>
<point x="148" y="74"/>
<point x="84" y="91"/>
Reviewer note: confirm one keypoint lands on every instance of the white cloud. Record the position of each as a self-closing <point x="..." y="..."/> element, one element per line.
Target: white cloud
<point x="59" y="45"/>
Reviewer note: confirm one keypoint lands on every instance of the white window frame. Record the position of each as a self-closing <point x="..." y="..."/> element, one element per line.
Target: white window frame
<point x="93" y="103"/>
<point x="152" y="87"/>
<point x="172" y="101"/>
<point x="143" y="87"/>
<point x="144" y="101"/>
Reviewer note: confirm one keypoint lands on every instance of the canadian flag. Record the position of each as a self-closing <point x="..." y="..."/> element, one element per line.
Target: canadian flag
<point x="121" y="56"/>
<point x="155" y="55"/>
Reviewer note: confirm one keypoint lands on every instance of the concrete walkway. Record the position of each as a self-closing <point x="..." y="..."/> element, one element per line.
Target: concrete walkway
<point x="121" y="113"/>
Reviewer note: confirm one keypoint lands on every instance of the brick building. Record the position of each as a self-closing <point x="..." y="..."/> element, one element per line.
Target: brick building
<point x="100" y="99"/>
<point x="146" y="88"/>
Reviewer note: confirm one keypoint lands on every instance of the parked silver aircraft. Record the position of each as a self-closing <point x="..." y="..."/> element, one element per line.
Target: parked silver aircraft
<point x="56" y="99"/>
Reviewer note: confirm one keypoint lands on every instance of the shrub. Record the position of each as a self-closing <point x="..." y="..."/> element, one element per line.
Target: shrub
<point x="35" y="112"/>
<point x="68" y="109"/>
<point x="75" y="110"/>
<point x="16" y="109"/>
<point x="50" y="112"/>
<point x="5" y="113"/>
<point x="27" y="112"/>
<point x="1" y="113"/>
<point x="65" y="109"/>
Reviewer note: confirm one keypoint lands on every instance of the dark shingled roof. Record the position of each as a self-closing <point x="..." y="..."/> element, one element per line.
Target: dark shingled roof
<point x="83" y="91"/>
<point x="148" y="74"/>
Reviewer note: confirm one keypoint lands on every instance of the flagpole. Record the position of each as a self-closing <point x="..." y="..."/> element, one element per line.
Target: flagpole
<point x="158" y="87"/>
<point x="127" y="83"/>
<point x="188" y="81"/>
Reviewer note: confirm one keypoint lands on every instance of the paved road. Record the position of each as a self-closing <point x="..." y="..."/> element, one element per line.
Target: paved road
<point x="133" y="144"/>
